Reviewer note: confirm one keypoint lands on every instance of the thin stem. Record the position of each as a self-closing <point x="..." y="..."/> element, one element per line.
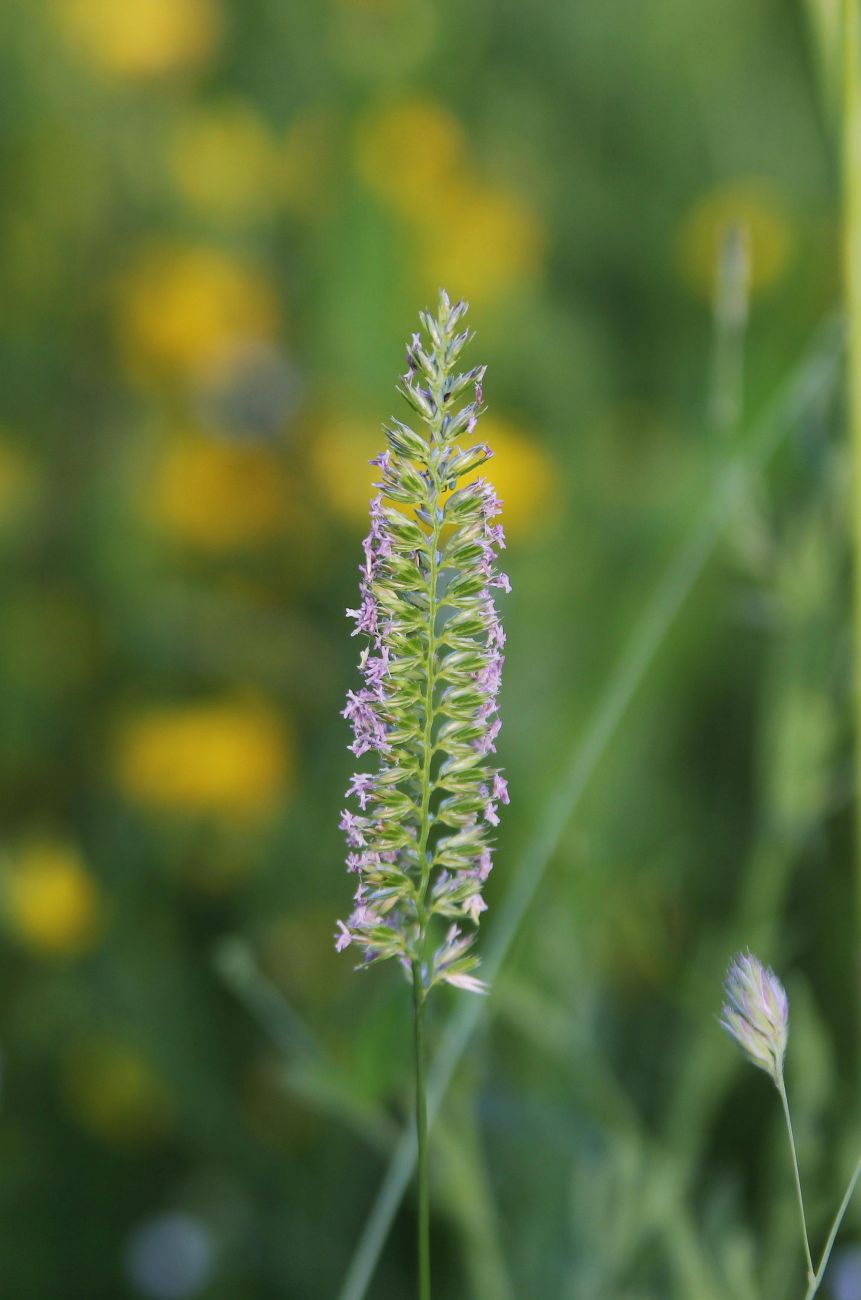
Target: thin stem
<point x="421" y="1137"/>
<point x="781" y="1088"/>
<point x="419" y="992"/>
<point x="832" y="1236"/>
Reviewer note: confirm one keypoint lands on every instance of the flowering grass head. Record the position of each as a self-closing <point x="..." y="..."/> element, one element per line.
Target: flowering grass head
<point x="419" y="835"/>
<point x="756" y="1013"/>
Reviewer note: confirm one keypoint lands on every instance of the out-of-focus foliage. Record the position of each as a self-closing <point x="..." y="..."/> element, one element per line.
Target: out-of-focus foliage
<point x="217" y="223"/>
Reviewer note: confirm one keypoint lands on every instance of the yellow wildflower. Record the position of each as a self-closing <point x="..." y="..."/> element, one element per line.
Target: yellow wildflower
<point x="52" y="903"/>
<point x="485" y="239"/>
<point x="521" y="472"/>
<point x="227" y="759"/>
<point x="140" y="39"/>
<point x="522" y="475"/>
<point x="18" y="481"/>
<point x="216" y="496"/>
<point x="340" y="451"/>
<point x="754" y="207"/>
<point x="410" y="152"/>
<point x="183" y="309"/>
<point x="113" y="1091"/>
<point x="224" y="162"/>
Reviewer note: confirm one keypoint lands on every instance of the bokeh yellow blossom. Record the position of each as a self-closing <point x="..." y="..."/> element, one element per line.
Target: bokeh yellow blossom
<point x="521" y="473"/>
<point x="214" y="495"/>
<point x="410" y="153"/>
<point x="229" y="759"/>
<point x="183" y="308"/>
<point x="520" y="470"/>
<point x="756" y="208"/>
<point x="224" y="162"/>
<point x="114" y="1092"/>
<point x="19" y="481"/>
<point x="140" y="39"/>
<point x="340" y="450"/>
<point x="52" y="903"/>
<point x="480" y="238"/>
<point x="485" y="239"/>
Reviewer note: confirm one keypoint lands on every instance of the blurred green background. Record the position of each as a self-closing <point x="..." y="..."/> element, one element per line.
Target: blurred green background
<point x="217" y="224"/>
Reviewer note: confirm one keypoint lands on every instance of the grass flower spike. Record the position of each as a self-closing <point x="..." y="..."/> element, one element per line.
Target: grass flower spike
<point x="420" y="833"/>
<point x="419" y="837"/>
<point x="756" y="1013"/>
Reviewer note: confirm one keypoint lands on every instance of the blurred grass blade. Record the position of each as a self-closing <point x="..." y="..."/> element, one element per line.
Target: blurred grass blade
<point x="599" y="1094"/>
<point x="466" y="1193"/>
<point x="812" y="380"/>
<point x="235" y="962"/>
<point x="832" y="1236"/>
<point x="823" y="19"/>
<point x="318" y="1082"/>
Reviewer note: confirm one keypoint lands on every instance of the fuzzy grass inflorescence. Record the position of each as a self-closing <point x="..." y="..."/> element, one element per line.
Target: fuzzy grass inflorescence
<point x="756" y="1015"/>
<point x="420" y="842"/>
